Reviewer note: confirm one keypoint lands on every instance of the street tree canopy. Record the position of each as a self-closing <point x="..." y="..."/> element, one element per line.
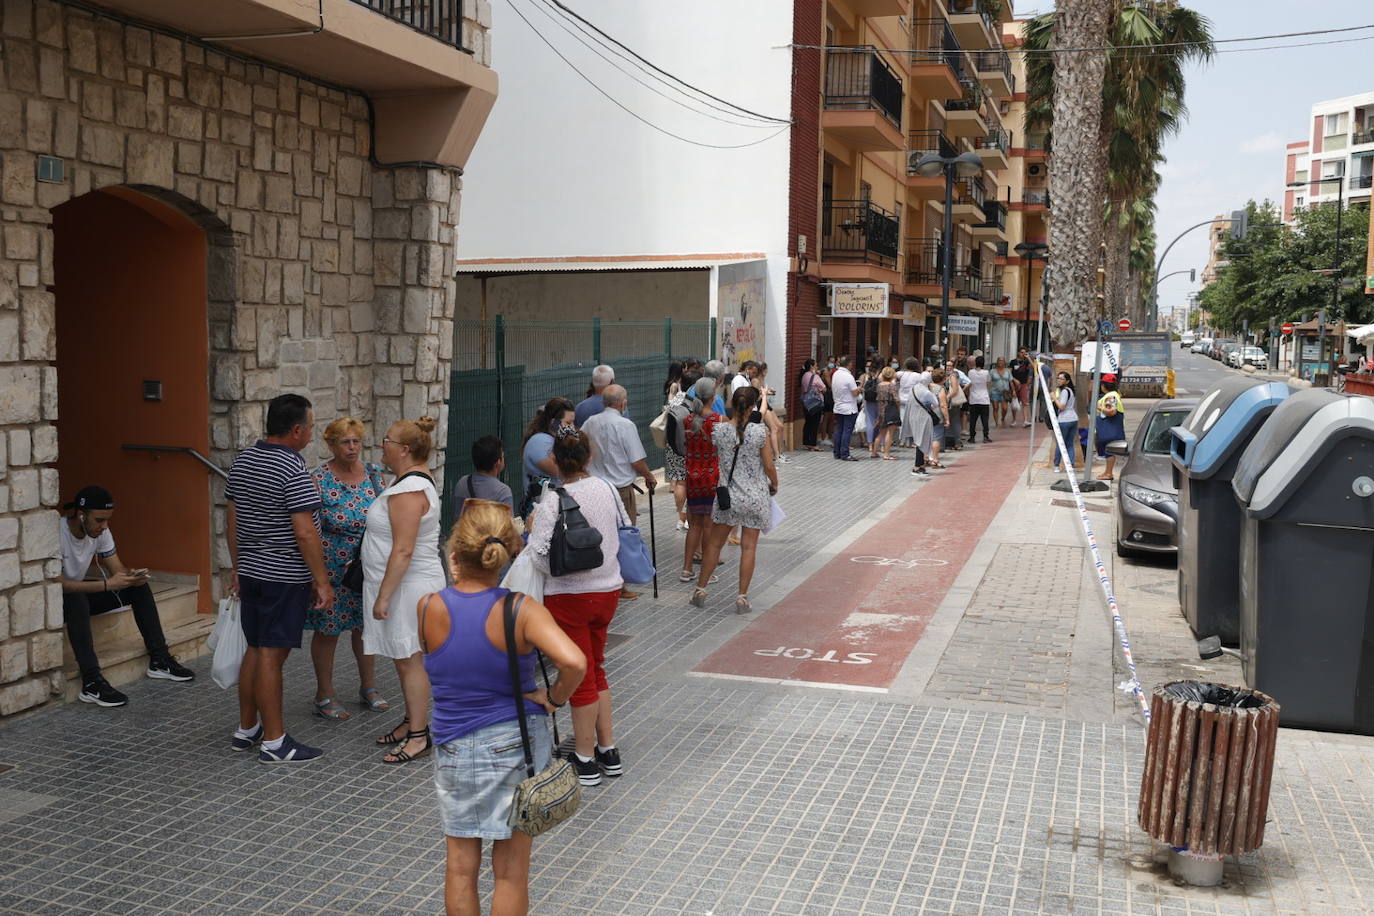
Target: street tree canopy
<point x="1284" y="273"/>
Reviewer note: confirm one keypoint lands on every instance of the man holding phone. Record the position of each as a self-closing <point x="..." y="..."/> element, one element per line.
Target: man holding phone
<point x="95" y="581"/>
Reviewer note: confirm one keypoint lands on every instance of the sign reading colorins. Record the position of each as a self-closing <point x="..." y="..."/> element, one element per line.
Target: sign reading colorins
<point x="963" y="325"/>
<point x="858" y="300"/>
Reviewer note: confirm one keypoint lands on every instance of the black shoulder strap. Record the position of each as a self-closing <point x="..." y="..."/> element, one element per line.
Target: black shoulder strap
<point x="472" y="491"/>
<point x="423" y="611"/>
<point x="509" y="609"/>
<point x="413" y="474"/>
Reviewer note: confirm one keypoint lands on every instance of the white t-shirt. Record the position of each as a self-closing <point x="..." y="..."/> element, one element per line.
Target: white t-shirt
<point x="842" y="386"/>
<point x="78" y="553"/>
<point x="905" y="382"/>
<point x="978" y="387"/>
<point x="1068" y="406"/>
<point x="740" y="381"/>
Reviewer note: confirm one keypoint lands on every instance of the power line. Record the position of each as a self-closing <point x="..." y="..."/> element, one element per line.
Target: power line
<point x="1153" y="48"/>
<point x="638" y="117"/>
<point x="599" y="50"/>
<point x="648" y="63"/>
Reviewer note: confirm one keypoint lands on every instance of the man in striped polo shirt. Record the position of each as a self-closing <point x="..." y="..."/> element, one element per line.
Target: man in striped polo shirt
<point x="274" y="543"/>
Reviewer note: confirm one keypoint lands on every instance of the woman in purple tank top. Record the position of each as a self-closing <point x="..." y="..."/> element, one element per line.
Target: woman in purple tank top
<point x="479" y="757"/>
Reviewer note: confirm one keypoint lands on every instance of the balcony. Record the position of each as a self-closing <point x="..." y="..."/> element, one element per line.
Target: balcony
<point x="430" y="96"/>
<point x="871" y="9"/>
<point x="994" y="224"/>
<point x="859" y="231"/>
<point x="1361" y="137"/>
<point x="964" y="115"/>
<point x="863" y="99"/>
<point x="993" y="148"/>
<point x="975" y="23"/>
<point x="968" y="284"/>
<point x="994" y="70"/>
<point x="992" y="293"/>
<point x="1036" y="199"/>
<point x="923" y="266"/>
<point x="1361" y="182"/>
<point x="919" y="143"/>
<point x="1037" y="147"/>
<point x="937" y="64"/>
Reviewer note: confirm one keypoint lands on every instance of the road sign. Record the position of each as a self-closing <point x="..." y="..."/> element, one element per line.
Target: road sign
<point x="1287" y="327"/>
<point x="1123" y="325"/>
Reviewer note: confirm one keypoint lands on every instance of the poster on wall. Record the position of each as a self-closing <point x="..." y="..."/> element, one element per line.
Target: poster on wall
<point x="741" y="304"/>
<point x="858" y="300"/>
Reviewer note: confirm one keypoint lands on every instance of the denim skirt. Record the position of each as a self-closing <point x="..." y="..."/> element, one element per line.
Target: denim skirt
<point x="476" y="775"/>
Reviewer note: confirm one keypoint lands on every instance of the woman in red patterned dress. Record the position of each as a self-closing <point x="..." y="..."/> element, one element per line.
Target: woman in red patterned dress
<point x="703" y="474"/>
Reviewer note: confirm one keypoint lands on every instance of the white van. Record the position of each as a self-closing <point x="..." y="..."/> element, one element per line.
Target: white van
<point x="1186" y="339"/>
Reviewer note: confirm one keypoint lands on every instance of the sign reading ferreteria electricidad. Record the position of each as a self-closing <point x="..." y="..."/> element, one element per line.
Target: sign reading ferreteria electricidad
<point x="858" y="300"/>
<point x="963" y="325"/>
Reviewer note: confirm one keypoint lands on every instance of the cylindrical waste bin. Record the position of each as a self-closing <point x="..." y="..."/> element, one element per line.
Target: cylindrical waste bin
<point x="1209" y="759"/>
<point x="1306" y="484"/>
<point x="1205" y="452"/>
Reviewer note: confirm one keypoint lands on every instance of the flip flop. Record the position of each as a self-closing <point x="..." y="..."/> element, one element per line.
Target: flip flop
<point x="331" y="708"/>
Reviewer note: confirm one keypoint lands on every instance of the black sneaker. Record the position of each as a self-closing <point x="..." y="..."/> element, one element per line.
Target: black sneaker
<point x="98" y="691"/>
<point x="167" y="668"/>
<point x="588" y="772"/>
<point x="241" y="743"/>
<point x="291" y="751"/>
<point x="609" y="762"/>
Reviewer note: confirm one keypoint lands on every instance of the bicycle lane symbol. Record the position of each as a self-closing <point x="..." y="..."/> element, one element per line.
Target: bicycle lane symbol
<point x="900" y="563"/>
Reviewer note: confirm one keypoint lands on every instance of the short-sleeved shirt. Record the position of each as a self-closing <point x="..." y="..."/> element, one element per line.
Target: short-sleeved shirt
<point x="978" y="392"/>
<point x="479" y="486"/>
<point x="537" y="448"/>
<point x="1021" y="370"/>
<point x="268" y="484"/>
<point x="79" y="552"/>
<point x="616" y="446"/>
<point x="842" y="387"/>
<point x="589" y="407"/>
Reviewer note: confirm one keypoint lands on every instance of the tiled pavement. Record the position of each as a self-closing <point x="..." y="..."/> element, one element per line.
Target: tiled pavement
<point x="739" y="797"/>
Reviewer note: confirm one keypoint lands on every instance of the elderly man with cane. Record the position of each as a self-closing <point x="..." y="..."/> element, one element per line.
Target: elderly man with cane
<point x="618" y="455"/>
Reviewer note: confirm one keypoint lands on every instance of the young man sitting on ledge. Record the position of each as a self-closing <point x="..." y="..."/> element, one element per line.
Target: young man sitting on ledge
<point x="88" y="547"/>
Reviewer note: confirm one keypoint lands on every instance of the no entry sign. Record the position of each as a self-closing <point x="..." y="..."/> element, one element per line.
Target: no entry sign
<point x="1287" y="327"/>
<point x="1123" y="325"/>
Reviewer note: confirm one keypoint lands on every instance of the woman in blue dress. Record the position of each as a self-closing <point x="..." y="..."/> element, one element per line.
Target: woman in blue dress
<point x="348" y="486"/>
<point x="1111" y="422"/>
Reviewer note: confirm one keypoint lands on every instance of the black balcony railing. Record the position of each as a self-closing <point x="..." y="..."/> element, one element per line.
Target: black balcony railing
<point x="995" y="139"/>
<point x="992" y="291"/>
<point x="971" y="191"/>
<point x="1362" y="136"/>
<point x="923" y="260"/>
<point x="921" y="142"/>
<point x="1036" y="197"/>
<point x="968" y="281"/>
<point x="933" y="41"/>
<point x="983" y="8"/>
<point x="858" y="230"/>
<point x="1361" y="182"/>
<point x="995" y="216"/>
<point x="993" y="61"/>
<point x="441" y="19"/>
<point x="970" y="100"/>
<point x="1001" y="248"/>
<point x="858" y="78"/>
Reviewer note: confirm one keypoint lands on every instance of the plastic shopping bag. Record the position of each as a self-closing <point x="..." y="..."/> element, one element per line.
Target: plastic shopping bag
<point x="523" y="577"/>
<point x="228" y="644"/>
<point x="861" y="424"/>
<point x="775" y="516"/>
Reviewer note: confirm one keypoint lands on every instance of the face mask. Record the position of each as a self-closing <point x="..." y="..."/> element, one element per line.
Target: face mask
<point x="830" y="365"/>
<point x="894" y="365"/>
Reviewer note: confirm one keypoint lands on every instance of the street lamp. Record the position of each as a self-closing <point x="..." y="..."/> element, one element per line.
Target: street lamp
<point x="965" y="165"/>
<point x="1029" y="251"/>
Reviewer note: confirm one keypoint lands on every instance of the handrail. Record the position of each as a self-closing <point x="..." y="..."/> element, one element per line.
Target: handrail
<point x="182" y="449"/>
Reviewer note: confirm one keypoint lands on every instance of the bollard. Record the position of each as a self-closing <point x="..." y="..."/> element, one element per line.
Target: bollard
<point x="1209" y="760"/>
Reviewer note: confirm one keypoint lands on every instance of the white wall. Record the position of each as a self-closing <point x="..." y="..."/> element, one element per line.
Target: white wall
<point x="561" y="172"/>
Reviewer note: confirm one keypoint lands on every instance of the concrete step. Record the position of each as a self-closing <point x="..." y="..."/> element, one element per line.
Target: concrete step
<point x="119" y="645"/>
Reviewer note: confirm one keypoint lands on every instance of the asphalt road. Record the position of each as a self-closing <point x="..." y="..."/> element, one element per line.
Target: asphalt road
<point x="1195" y="374"/>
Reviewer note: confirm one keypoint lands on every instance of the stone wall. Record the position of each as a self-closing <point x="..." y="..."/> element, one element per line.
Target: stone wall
<point x="327" y="275"/>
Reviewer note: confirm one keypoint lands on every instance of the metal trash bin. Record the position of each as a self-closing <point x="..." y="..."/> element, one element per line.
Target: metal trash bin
<point x="1205" y="451"/>
<point x="1306" y="485"/>
<point x="1209" y="761"/>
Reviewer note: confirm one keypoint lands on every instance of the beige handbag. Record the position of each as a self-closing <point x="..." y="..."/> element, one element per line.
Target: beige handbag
<point x="547" y="798"/>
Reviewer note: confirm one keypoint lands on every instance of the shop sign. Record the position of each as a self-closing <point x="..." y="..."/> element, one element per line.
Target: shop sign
<point x="858" y="300"/>
<point x="963" y="325"/>
<point x="914" y="313"/>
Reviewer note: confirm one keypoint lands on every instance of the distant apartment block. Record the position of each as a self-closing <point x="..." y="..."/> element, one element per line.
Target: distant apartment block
<point x="1336" y="161"/>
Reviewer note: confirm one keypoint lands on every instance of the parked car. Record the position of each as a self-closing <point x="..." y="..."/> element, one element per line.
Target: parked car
<point x="1219" y="348"/>
<point x="1147" y="503"/>
<point x="1255" y="356"/>
<point x="1202" y="345"/>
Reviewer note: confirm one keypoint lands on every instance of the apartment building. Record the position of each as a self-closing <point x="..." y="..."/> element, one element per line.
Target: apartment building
<point x="1336" y="160"/>
<point x="868" y="246"/>
<point x="207" y="204"/>
<point x="1217" y="234"/>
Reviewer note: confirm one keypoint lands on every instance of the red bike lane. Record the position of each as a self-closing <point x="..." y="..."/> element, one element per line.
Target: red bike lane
<point x="854" y="622"/>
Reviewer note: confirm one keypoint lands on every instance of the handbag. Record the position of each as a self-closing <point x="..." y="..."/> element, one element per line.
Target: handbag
<point x="723" y="492"/>
<point x="352" y="578"/>
<point x="658" y="428"/>
<point x="957" y="398"/>
<point x="547" y="798"/>
<point x="575" y="545"/>
<point x="635" y="563"/>
<point x="812" y="401"/>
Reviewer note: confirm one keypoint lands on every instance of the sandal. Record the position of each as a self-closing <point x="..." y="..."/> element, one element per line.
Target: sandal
<point x="390" y="737"/>
<point x="742" y="605"/>
<point x="373" y="700"/>
<point x="401" y="755"/>
<point x="331" y="708"/>
<point x="698" y="598"/>
<point x="686" y="576"/>
<point x="734" y="542"/>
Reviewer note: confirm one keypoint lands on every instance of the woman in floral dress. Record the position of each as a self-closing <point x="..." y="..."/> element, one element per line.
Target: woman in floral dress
<point x="347" y="487"/>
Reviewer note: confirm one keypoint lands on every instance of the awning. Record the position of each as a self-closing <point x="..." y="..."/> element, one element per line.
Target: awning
<point x="1363" y="334"/>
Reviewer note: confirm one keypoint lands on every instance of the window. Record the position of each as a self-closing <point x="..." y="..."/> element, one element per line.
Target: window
<point x="1158" y="437"/>
<point x="1335" y="123"/>
<point x="1299" y="202"/>
<point x="1333" y="168"/>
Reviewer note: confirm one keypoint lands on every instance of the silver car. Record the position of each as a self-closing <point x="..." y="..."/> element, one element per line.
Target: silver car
<point x="1147" y="502"/>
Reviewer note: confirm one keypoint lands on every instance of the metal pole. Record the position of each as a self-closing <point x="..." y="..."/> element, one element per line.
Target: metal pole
<point x="1035" y="371"/>
<point x="1088" y="482"/>
<point x="1336" y="275"/>
<point x="947" y="265"/>
<point x="1026" y="322"/>
<point x="1154" y="294"/>
<point x="596" y="341"/>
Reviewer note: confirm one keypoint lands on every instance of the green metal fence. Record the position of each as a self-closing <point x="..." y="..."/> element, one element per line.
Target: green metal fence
<point x="504" y="371"/>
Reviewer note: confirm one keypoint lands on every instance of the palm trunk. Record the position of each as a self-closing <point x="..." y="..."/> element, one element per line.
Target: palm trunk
<point x="1117" y="265"/>
<point x="1078" y="173"/>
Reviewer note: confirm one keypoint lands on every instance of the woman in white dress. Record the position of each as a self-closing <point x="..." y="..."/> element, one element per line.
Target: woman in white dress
<point x="400" y="565"/>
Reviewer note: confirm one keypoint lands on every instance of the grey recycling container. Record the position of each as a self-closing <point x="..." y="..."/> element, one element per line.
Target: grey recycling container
<point x="1306" y="486"/>
<point x="1205" y="451"/>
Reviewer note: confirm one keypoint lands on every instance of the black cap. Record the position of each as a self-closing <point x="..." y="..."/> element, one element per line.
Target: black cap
<point x="90" y="499"/>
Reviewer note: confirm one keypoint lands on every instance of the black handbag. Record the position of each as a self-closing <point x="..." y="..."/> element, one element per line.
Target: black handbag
<point x="352" y="578"/>
<point x="723" y="492"/>
<point x="575" y="545"/>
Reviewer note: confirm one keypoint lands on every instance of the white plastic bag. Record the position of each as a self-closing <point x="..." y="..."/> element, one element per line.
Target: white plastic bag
<point x="228" y="644"/>
<point x="775" y="516"/>
<point x="861" y="424"/>
<point x="523" y="577"/>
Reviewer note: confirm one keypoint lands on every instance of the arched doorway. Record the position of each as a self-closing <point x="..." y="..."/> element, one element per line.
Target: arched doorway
<point x="133" y="369"/>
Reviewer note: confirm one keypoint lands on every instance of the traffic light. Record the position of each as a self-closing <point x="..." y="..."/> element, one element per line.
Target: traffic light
<point x="1240" y="223"/>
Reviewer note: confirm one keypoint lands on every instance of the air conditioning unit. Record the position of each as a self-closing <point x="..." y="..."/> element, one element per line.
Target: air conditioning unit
<point x="913" y="156"/>
<point x="1004" y="107"/>
<point x="1035" y="170"/>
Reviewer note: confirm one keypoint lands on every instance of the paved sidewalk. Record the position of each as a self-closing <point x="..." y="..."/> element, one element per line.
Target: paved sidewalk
<point x="997" y="774"/>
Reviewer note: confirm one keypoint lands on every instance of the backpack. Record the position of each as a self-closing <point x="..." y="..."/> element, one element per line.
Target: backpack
<point x="575" y="545"/>
<point x="675" y="428"/>
<point x="871" y="389"/>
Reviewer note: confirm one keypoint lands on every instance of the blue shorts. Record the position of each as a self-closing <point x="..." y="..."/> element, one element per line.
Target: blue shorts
<point x="272" y="614"/>
<point x="476" y="775"/>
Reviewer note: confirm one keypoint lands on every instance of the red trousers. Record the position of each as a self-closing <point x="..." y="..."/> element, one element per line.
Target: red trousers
<point x="585" y="618"/>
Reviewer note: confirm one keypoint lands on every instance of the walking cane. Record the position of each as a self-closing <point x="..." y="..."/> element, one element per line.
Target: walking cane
<point x="653" y="543"/>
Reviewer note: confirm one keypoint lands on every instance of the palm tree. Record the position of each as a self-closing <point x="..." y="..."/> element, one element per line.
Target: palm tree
<point x="1141" y="105"/>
